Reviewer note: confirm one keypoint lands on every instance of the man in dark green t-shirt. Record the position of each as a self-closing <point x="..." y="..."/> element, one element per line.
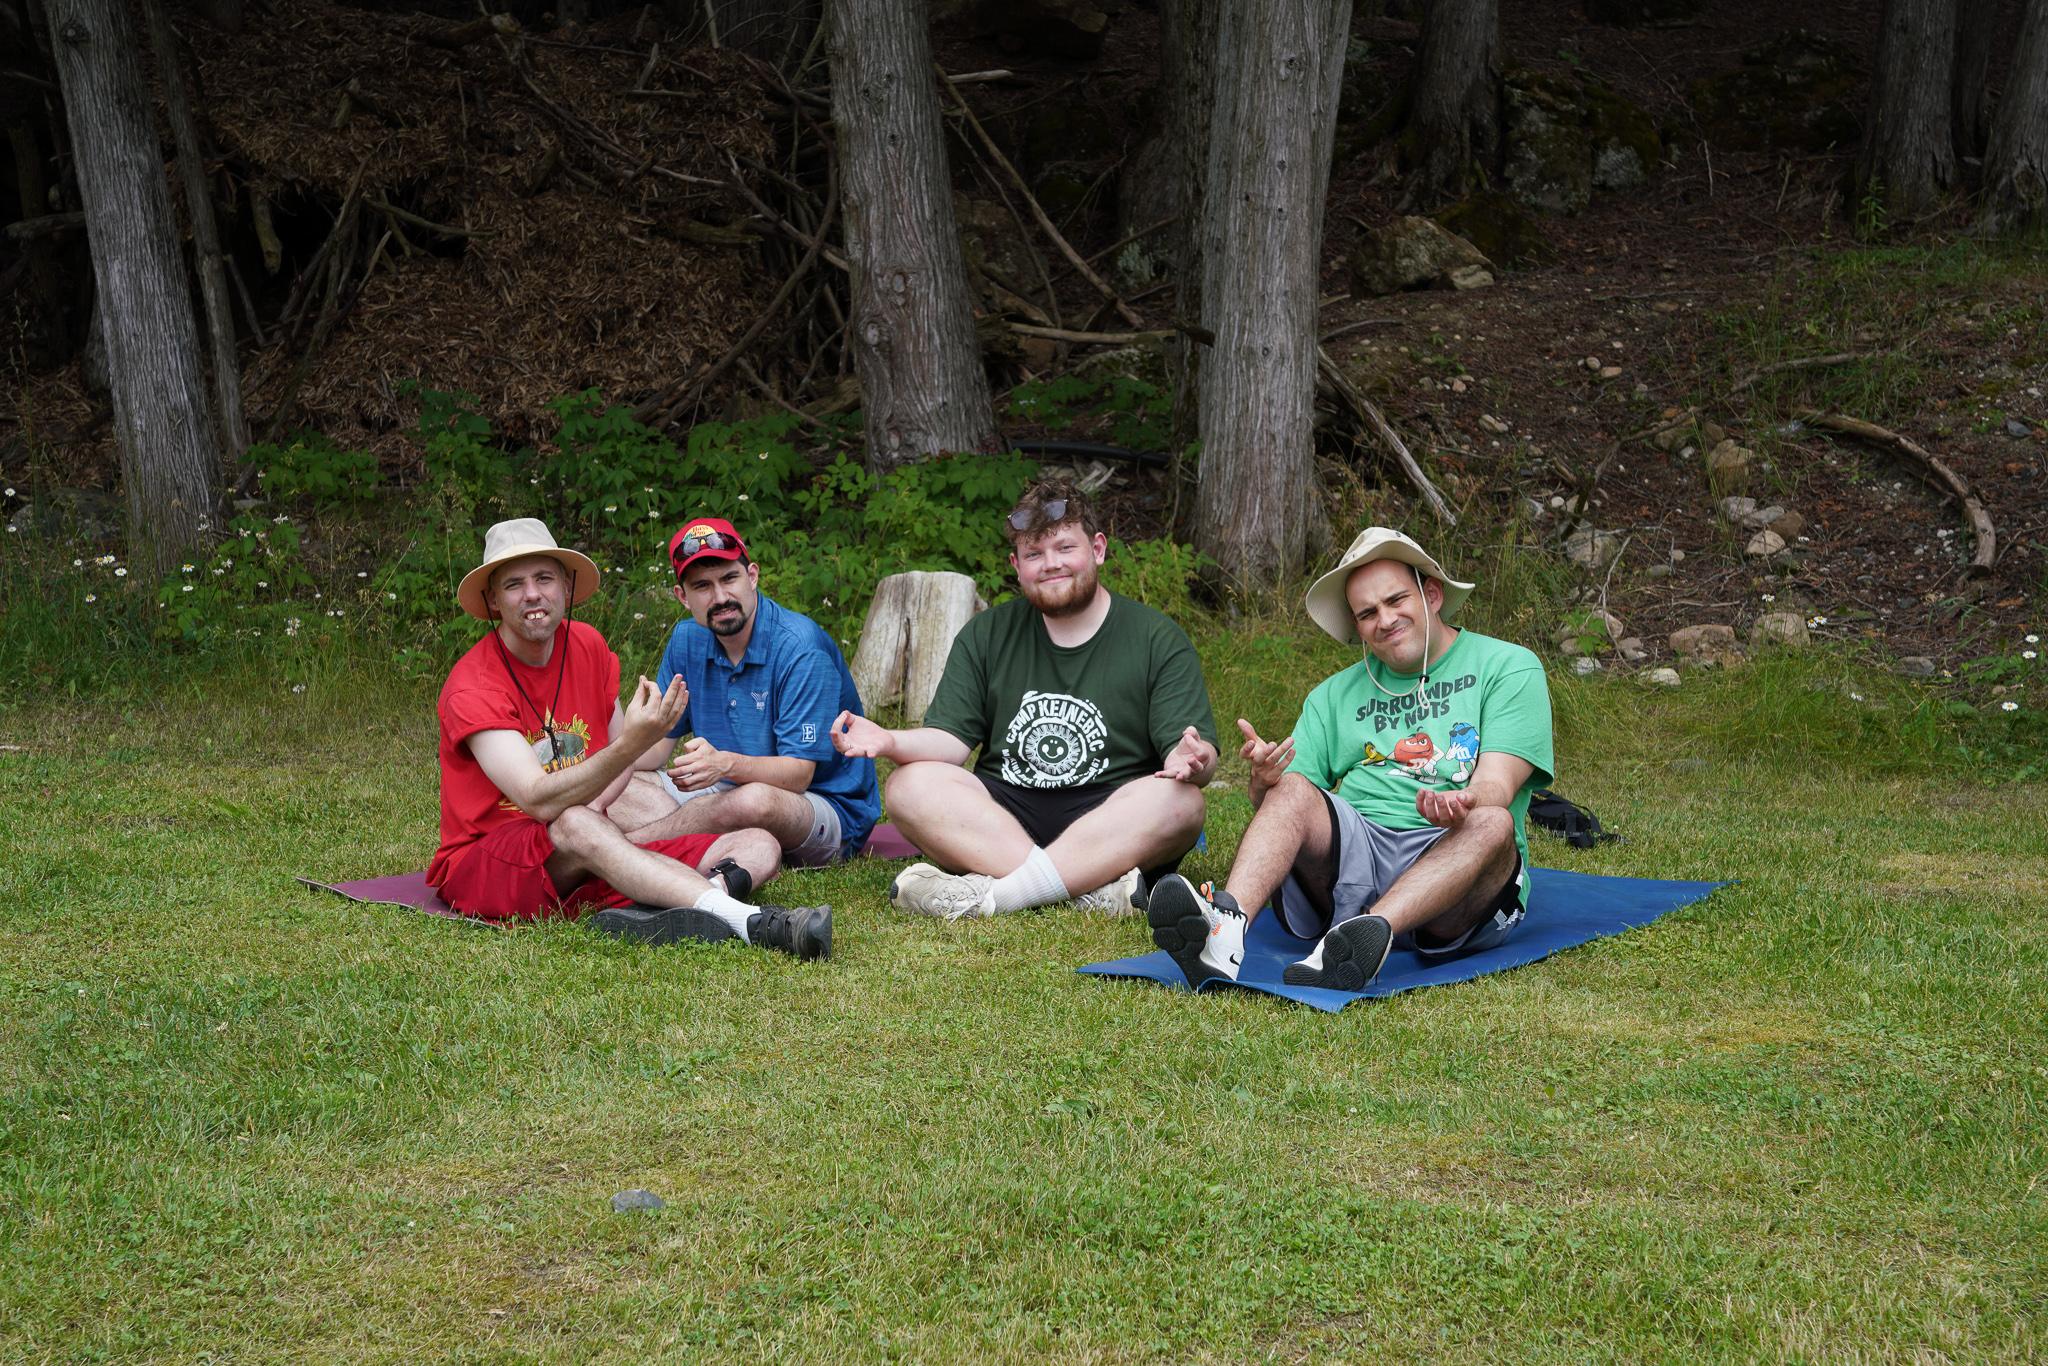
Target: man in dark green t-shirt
<point x="1095" y="733"/>
<point x="1397" y="806"/>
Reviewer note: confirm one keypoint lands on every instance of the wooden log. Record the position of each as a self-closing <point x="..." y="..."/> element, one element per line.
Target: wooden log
<point x="1932" y="469"/>
<point x="908" y="634"/>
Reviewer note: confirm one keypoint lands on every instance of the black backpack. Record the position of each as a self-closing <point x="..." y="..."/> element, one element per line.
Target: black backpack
<point x="1577" y="826"/>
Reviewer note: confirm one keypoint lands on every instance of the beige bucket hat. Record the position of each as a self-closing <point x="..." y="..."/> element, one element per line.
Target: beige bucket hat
<point x="513" y="540"/>
<point x="1327" y="604"/>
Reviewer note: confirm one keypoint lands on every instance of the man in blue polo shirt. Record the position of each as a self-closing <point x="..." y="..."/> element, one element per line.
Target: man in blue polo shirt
<point x="764" y="684"/>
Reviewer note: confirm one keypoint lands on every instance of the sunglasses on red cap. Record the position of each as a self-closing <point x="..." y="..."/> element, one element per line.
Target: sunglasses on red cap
<point x="709" y="540"/>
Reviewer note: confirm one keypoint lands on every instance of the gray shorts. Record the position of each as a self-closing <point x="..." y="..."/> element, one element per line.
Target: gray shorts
<point x="1369" y="858"/>
<point x="819" y="848"/>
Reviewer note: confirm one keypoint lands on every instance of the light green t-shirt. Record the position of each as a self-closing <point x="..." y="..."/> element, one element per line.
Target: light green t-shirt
<point x="1376" y="751"/>
<point x="1053" y="716"/>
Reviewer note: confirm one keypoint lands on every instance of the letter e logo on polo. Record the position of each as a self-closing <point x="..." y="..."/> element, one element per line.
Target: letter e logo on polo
<point x="1054" y="740"/>
<point x="810" y="733"/>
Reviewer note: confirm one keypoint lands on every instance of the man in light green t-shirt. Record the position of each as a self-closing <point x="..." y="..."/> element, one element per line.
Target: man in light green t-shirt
<point x="1396" y="809"/>
<point x="1095" y="732"/>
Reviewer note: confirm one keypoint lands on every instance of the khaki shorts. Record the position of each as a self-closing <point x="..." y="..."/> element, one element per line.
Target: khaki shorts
<point x="819" y="848"/>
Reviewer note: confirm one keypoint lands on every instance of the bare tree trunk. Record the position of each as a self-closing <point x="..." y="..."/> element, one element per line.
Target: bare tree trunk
<point x="145" y="310"/>
<point x="1908" y="158"/>
<point x="1969" y="108"/>
<point x="1188" y="89"/>
<point x="1280" y="63"/>
<point x="923" y="387"/>
<point x="1454" y="116"/>
<point x="233" y="429"/>
<point x="776" y="31"/>
<point x="2016" y="163"/>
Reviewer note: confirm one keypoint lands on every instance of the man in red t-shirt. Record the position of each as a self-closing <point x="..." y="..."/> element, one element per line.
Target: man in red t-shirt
<point x="535" y="746"/>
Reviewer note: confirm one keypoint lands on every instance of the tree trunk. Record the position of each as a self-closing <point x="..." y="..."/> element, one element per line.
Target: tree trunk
<point x="1969" y="108"/>
<point x="923" y="387"/>
<point x="1188" y="92"/>
<point x="1279" y="67"/>
<point x="776" y="31"/>
<point x="1908" y="158"/>
<point x="233" y="426"/>
<point x="908" y="633"/>
<point x="160" y="419"/>
<point x="2016" y="163"/>
<point x="1454" y="114"/>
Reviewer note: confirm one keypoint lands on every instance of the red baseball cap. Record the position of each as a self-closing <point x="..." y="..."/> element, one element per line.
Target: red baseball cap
<point x="703" y="537"/>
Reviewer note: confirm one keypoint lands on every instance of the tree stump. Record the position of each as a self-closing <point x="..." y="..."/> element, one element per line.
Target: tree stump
<point x="907" y="636"/>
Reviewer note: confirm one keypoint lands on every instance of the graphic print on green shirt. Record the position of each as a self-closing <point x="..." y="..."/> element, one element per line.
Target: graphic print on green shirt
<point x="1375" y="751"/>
<point x="1052" y="716"/>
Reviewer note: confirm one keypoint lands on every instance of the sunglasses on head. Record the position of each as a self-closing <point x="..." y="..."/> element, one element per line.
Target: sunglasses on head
<point x="1047" y="513"/>
<point x="710" y="540"/>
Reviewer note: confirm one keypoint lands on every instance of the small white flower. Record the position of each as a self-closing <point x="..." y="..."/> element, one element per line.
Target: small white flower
<point x="122" y="572"/>
<point x="764" y="455"/>
<point x="10" y="493"/>
<point x="1855" y="697"/>
<point x="652" y="513"/>
<point x="92" y="597"/>
<point x="392" y="596"/>
<point x="2029" y="654"/>
<point x="743" y="498"/>
<point x="184" y="569"/>
<point x="186" y="589"/>
<point x="1770" y="597"/>
<point x="78" y="564"/>
<point x="647" y="488"/>
<point x="639" y="616"/>
<point x="611" y="507"/>
<point x="2008" y="706"/>
<point x="279" y="520"/>
<point x="362" y="573"/>
<point x="298" y="687"/>
<point x="2031" y="639"/>
<point x="263" y="583"/>
<point x="104" y="559"/>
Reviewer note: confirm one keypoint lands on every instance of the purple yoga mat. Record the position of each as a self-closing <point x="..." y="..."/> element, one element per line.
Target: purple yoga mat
<point x="411" y="890"/>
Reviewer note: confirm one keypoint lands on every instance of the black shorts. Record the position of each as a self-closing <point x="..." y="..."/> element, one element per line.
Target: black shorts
<point x="1046" y="812"/>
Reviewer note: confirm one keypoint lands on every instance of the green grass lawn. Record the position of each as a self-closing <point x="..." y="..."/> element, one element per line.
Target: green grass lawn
<point x="244" y="1120"/>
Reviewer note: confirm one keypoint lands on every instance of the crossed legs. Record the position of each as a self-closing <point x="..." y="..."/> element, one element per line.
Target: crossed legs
<point x="589" y="845"/>
<point x="946" y="812"/>
<point x="647" y="812"/>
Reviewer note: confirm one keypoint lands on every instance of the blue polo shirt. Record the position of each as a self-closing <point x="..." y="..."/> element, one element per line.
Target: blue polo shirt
<point x="778" y="701"/>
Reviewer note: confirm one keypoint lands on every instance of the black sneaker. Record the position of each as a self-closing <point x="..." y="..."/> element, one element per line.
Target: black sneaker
<point x="1347" y="959"/>
<point x="1201" y="927"/>
<point x="656" y="925"/>
<point x="805" y="931"/>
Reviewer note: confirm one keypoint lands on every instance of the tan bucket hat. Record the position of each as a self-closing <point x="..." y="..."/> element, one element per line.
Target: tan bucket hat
<point x="1327" y="604"/>
<point x="513" y="540"/>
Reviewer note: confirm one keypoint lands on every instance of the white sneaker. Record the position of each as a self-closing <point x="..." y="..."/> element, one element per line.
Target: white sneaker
<point x="1124" y="896"/>
<point x="925" y="890"/>
<point x="1345" y="959"/>
<point x="1203" y="929"/>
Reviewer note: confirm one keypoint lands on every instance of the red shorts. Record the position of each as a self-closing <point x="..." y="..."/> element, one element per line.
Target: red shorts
<point x="504" y="875"/>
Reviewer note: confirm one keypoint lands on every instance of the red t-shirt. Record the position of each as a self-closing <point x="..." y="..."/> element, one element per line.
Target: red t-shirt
<point x="479" y="696"/>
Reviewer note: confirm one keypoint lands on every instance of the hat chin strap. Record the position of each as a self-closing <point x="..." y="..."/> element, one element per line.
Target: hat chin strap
<point x="1422" y="680"/>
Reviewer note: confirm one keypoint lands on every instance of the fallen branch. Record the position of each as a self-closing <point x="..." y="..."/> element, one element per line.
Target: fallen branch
<point x="1981" y="531"/>
<point x="49" y="225"/>
<point x="462" y="35"/>
<point x="1068" y="334"/>
<point x="1045" y="223"/>
<point x="1374" y="418"/>
<point x="1805" y="363"/>
<point x="429" y="224"/>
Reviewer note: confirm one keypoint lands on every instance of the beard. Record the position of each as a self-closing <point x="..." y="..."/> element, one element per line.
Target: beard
<point x="728" y="623"/>
<point x="1065" y="597"/>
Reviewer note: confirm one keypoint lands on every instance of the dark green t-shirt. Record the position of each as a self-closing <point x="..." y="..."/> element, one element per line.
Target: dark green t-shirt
<point x="1051" y="716"/>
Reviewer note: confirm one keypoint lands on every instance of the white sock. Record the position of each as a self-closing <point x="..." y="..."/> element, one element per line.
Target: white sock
<point x="731" y="910"/>
<point x="1034" y="882"/>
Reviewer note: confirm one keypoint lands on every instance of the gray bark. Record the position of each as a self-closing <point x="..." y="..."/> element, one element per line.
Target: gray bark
<point x="1908" y="159"/>
<point x="1188" y="94"/>
<point x="923" y="388"/>
<point x="1454" y="115"/>
<point x="908" y="636"/>
<point x="1278" y="72"/>
<point x="1969" y="104"/>
<point x="2016" y="162"/>
<point x="161" y="424"/>
<point x="232" y="425"/>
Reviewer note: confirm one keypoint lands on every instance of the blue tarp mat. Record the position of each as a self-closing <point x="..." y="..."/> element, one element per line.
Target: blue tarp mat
<point x="1565" y="909"/>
